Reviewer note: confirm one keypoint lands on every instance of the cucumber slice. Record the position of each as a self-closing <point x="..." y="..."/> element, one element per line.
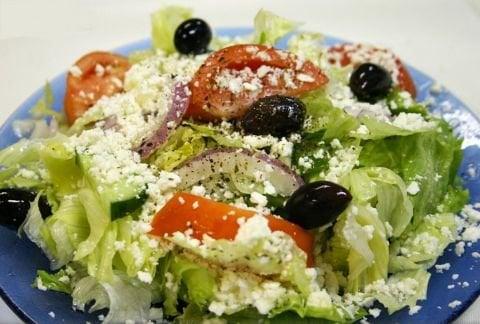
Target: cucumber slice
<point x="119" y="199"/>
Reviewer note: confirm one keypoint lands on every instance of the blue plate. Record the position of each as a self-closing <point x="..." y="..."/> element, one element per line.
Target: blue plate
<point x="19" y="258"/>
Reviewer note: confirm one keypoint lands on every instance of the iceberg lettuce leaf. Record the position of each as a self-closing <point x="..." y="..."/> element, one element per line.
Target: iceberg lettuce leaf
<point x="269" y="28"/>
<point x="164" y="23"/>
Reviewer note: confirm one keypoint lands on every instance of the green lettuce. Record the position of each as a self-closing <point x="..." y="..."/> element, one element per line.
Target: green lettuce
<point x="421" y="245"/>
<point x="164" y="23"/>
<point x="269" y="28"/>
<point x="431" y="159"/>
<point x="125" y="298"/>
<point x="359" y="246"/>
<point x="188" y="141"/>
<point x="58" y="281"/>
<point x="98" y="221"/>
<point x="308" y="45"/>
<point x="410" y="286"/>
<point x="399" y="101"/>
<point x="386" y="191"/>
<point x="67" y="227"/>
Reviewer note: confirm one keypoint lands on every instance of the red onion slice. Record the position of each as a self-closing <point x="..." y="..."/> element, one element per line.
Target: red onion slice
<point x="173" y="118"/>
<point x="240" y="161"/>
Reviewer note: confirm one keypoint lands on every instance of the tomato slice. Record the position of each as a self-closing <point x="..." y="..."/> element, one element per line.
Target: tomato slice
<point x="231" y="79"/>
<point x="94" y="75"/>
<point x="218" y="220"/>
<point x="345" y="54"/>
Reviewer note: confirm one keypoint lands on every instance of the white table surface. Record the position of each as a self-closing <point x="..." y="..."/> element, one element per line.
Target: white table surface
<point x="40" y="38"/>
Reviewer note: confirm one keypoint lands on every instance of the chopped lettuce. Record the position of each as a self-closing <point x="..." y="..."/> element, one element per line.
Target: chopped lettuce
<point x="98" y="220"/>
<point x="386" y="191"/>
<point x="188" y="141"/>
<point x="400" y="101"/>
<point x="58" y="281"/>
<point x="421" y="245"/>
<point x="359" y="246"/>
<point x="322" y="115"/>
<point x="308" y="45"/>
<point x="126" y="298"/>
<point x="401" y="289"/>
<point x="269" y="28"/>
<point x="430" y="159"/>
<point x="61" y="165"/>
<point x="164" y="23"/>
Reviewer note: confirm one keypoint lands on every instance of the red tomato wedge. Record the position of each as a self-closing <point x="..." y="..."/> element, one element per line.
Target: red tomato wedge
<point x="357" y="54"/>
<point x="218" y="220"/>
<point x="94" y="75"/>
<point x="231" y="79"/>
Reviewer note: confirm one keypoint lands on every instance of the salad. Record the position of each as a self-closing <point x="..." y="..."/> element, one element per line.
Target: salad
<point x="227" y="180"/>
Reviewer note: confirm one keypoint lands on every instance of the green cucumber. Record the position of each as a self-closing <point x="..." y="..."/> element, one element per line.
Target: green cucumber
<point x="120" y="198"/>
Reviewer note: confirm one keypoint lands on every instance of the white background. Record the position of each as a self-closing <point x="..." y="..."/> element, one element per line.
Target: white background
<point x="40" y="38"/>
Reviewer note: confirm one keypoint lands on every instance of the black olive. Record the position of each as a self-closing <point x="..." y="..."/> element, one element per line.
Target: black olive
<point x="192" y="37"/>
<point x="370" y="82"/>
<point x="316" y="204"/>
<point x="275" y="115"/>
<point x="14" y="206"/>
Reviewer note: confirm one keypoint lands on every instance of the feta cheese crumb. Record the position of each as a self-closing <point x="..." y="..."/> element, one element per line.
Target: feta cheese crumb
<point x="441" y="267"/>
<point x="476" y="255"/>
<point x="144" y="276"/>
<point x="414" y="310"/>
<point x="375" y="312"/>
<point x="51" y="314"/>
<point x="451" y="286"/>
<point x="258" y="199"/>
<point x="198" y="190"/>
<point x="195" y="205"/>
<point x="454" y="304"/>
<point x="460" y="248"/>
<point x="75" y="71"/>
<point x="119" y="245"/>
<point x="455" y="276"/>
<point x="413" y="188"/>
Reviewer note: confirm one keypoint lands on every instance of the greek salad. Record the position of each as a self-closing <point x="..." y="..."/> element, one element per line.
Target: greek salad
<point x="227" y="180"/>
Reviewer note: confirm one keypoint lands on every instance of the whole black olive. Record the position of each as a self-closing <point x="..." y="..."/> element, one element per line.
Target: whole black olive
<point x="275" y="115"/>
<point x="14" y="206"/>
<point x="370" y="82"/>
<point x="192" y="36"/>
<point x="316" y="204"/>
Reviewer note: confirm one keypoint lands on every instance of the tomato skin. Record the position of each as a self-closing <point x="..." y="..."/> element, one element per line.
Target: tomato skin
<point x="218" y="220"/>
<point x="211" y="103"/>
<point x="86" y="84"/>
<point x="345" y="52"/>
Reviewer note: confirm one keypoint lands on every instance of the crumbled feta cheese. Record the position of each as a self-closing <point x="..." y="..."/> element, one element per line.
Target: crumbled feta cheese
<point x="195" y="205"/>
<point x="253" y="228"/>
<point x="269" y="188"/>
<point x="414" y="310"/>
<point x="375" y="312"/>
<point x="460" y="248"/>
<point x="455" y="276"/>
<point x="476" y="255"/>
<point x="454" y="304"/>
<point x="144" y="276"/>
<point x="51" y="314"/>
<point x="119" y="245"/>
<point x="442" y="267"/>
<point x="75" y="71"/>
<point x="198" y="190"/>
<point x="258" y="199"/>
<point x="99" y="70"/>
<point x="451" y="286"/>
<point x="413" y="188"/>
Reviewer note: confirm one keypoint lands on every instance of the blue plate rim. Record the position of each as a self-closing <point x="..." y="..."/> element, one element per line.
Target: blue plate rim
<point x="31" y="99"/>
